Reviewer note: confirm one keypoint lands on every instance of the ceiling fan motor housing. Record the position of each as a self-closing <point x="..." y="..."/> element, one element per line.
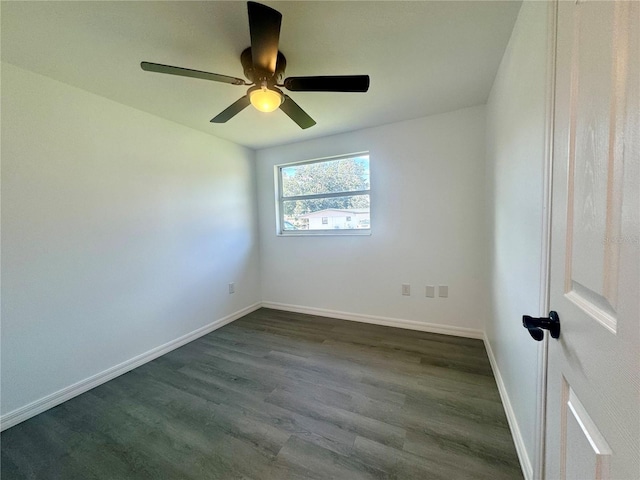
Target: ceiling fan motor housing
<point x="256" y="76"/>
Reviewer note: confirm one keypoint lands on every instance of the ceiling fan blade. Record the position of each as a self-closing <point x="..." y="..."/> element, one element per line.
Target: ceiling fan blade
<point x="337" y="83"/>
<point x="232" y="110"/>
<point x="264" y="26"/>
<point x="295" y="113"/>
<point x="186" y="72"/>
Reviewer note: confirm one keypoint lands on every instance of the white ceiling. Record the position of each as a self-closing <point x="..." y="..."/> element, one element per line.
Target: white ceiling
<point x="423" y="57"/>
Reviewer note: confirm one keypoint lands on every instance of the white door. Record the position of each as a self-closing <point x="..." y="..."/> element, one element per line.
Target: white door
<point x="593" y="396"/>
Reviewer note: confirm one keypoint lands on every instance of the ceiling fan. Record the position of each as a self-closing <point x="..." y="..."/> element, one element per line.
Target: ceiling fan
<point x="264" y="67"/>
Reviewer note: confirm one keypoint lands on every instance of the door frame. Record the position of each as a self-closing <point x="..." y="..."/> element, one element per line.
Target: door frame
<point x="545" y="247"/>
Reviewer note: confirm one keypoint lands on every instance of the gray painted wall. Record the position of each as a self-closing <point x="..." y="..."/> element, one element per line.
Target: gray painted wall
<point x="120" y="232"/>
<point x="516" y="113"/>
<point x="427" y="226"/>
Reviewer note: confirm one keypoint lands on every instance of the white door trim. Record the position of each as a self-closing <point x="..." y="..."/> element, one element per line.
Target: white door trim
<point x="545" y="248"/>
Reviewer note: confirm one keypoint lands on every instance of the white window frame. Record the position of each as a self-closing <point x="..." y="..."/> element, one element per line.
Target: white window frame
<point x="280" y="231"/>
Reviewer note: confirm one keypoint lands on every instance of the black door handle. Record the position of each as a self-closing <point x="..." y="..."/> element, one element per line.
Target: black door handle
<point x="536" y="325"/>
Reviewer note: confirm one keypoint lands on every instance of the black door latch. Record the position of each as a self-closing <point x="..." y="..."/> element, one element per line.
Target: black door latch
<point x="536" y="325"/>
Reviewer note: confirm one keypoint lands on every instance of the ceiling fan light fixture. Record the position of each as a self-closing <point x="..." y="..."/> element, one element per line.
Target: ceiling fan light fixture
<point x="265" y="99"/>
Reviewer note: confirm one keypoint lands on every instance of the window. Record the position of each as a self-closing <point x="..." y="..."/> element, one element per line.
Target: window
<point x="327" y="196"/>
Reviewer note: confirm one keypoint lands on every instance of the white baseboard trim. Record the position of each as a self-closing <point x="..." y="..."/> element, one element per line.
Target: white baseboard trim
<point x="525" y="461"/>
<point x="376" y="320"/>
<point x="34" y="408"/>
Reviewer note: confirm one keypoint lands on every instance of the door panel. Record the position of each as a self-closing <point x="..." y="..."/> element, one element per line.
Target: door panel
<point x="593" y="396"/>
<point x="597" y="86"/>
<point x="588" y="454"/>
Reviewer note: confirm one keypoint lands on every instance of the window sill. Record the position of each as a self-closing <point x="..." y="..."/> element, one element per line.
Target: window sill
<point x="325" y="233"/>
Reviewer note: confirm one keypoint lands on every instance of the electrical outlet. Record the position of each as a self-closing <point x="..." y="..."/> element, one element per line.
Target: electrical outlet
<point x="232" y="288"/>
<point x="443" y="291"/>
<point x="430" y="291"/>
<point x="406" y="289"/>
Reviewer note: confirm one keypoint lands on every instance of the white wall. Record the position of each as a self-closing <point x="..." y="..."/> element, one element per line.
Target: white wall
<point x="516" y="113"/>
<point x="428" y="226"/>
<point x="120" y="232"/>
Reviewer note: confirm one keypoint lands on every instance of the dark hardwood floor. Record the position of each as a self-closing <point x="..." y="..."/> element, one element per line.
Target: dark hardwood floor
<point x="279" y="395"/>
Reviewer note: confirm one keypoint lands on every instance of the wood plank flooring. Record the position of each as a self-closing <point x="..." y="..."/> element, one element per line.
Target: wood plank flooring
<point x="279" y="395"/>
